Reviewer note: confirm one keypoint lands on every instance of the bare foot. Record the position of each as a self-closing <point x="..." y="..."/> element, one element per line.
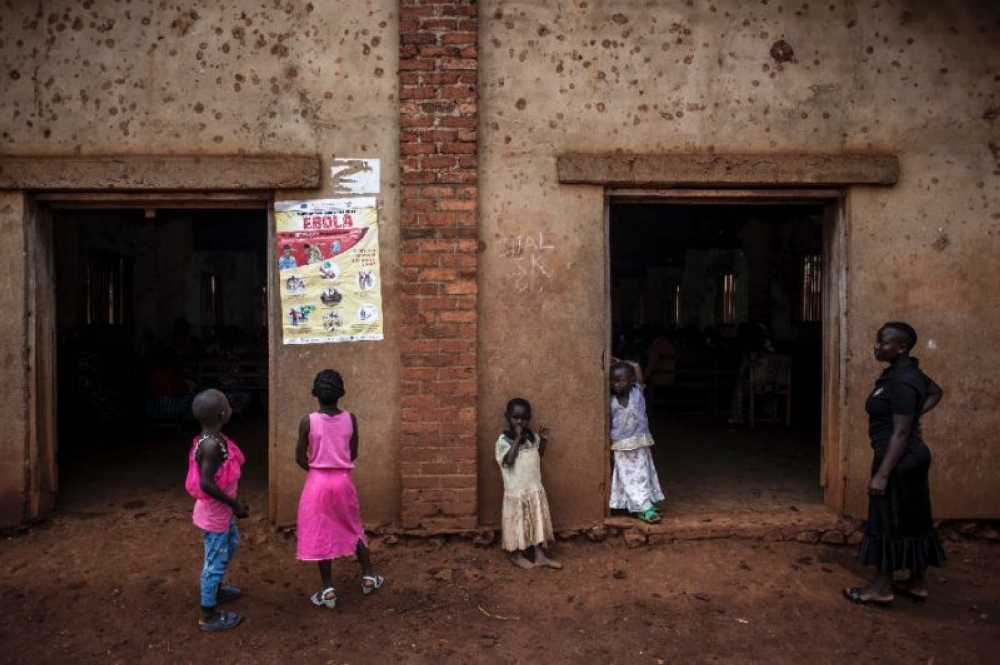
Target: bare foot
<point x="913" y="589"/>
<point x="542" y="560"/>
<point x="521" y="561"/>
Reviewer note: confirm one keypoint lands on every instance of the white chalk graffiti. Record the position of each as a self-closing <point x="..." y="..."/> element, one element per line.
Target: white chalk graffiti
<point x="528" y="254"/>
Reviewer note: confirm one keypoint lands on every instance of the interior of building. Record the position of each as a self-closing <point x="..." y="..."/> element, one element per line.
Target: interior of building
<point x="721" y="305"/>
<point x="153" y="306"/>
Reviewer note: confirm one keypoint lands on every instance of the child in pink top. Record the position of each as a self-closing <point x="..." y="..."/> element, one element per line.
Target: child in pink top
<point x="214" y="468"/>
<point x="329" y="519"/>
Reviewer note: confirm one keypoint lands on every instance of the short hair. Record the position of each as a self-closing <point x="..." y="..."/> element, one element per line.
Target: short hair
<point x="518" y="401"/>
<point x="328" y="386"/>
<point x="207" y="406"/>
<point x="625" y="366"/>
<point x="906" y="331"/>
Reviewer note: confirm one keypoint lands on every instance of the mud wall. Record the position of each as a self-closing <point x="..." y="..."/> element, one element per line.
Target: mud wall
<point x="600" y="76"/>
<point x="148" y="77"/>
<point x="914" y="78"/>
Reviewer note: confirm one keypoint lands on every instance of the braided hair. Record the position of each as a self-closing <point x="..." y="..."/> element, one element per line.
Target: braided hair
<point x="328" y="387"/>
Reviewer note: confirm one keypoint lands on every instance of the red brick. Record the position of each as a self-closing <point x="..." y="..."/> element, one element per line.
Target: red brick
<point x="459" y="122"/>
<point x="439" y="218"/>
<point x="413" y="64"/>
<point x="461" y="288"/>
<point x="457" y="148"/>
<point x="439" y="162"/>
<point x="438" y="468"/>
<point x="458" y="63"/>
<point x="419" y="373"/>
<point x="438" y="274"/>
<point x="418" y="260"/>
<point x="457" y="345"/>
<point x="457" y="204"/>
<point x="419" y="346"/>
<point x="457" y="178"/>
<point x="417" y="92"/>
<point x="416" y="177"/>
<point x="434" y="51"/>
<point x="439" y="107"/>
<point x="413" y="11"/>
<point x="458" y="92"/>
<point x="448" y="24"/>
<point x="459" y="37"/>
<point x="457" y="317"/>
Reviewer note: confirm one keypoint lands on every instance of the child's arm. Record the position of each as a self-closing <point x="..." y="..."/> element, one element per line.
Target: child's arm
<point x="354" y="439"/>
<point x="302" y="445"/>
<point x="515" y="447"/>
<point x="638" y="372"/>
<point x="211" y="460"/>
<point x="543" y="433"/>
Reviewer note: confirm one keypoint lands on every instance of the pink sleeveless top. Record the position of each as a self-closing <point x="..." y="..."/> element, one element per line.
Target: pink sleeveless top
<point x="211" y="514"/>
<point x="330" y="441"/>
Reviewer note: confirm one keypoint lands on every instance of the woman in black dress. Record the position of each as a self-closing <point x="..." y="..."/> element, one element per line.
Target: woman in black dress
<point x="900" y="533"/>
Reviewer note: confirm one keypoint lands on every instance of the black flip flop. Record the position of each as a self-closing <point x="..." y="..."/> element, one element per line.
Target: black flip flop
<point x="854" y="595"/>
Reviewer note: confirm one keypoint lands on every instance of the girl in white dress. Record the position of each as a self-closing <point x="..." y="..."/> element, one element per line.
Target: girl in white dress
<point x="527" y="525"/>
<point x="635" y="486"/>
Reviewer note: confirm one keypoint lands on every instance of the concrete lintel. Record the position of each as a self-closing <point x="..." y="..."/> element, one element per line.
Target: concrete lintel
<point x="160" y="172"/>
<point x="728" y="170"/>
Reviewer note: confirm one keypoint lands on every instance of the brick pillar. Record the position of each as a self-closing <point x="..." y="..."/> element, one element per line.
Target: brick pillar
<point x="438" y="118"/>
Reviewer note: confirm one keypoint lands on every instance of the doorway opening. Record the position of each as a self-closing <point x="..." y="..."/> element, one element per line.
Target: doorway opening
<point x="723" y="305"/>
<point x="153" y="305"/>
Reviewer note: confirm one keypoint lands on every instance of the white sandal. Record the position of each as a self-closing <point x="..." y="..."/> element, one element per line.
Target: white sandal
<point x="376" y="583"/>
<point x="319" y="598"/>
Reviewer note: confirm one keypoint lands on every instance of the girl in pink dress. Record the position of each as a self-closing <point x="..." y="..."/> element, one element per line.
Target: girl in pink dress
<point x="329" y="521"/>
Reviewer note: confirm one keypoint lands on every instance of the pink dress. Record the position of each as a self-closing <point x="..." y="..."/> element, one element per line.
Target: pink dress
<point x="211" y="514"/>
<point x="329" y="521"/>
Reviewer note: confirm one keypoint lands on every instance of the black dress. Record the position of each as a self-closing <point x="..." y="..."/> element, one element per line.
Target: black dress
<point x="900" y="533"/>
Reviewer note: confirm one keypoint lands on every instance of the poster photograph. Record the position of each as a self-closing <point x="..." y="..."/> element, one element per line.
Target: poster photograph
<point x="328" y="270"/>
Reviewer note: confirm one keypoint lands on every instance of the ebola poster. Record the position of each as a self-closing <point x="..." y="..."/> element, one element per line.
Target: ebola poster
<point x="328" y="270"/>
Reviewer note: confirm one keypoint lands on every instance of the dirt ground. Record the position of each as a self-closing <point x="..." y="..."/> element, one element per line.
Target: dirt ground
<point x="113" y="577"/>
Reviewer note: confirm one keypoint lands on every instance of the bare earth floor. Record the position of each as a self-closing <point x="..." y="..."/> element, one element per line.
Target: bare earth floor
<point x="112" y="577"/>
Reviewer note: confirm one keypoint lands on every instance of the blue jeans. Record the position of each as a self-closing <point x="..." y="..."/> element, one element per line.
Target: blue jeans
<point x="219" y="551"/>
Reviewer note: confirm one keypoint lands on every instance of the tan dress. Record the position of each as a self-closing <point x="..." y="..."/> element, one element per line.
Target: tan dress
<point x="526" y="520"/>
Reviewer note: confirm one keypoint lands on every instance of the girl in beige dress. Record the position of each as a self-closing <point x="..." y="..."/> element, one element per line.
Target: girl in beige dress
<point x="527" y="525"/>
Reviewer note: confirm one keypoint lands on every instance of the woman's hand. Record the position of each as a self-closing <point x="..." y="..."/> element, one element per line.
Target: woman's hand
<point x="877" y="485"/>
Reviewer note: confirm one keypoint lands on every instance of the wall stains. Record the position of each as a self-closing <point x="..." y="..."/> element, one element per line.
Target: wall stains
<point x="782" y="52"/>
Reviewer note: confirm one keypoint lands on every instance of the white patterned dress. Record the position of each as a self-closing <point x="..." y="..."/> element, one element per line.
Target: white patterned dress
<point x="526" y="520"/>
<point x="634" y="483"/>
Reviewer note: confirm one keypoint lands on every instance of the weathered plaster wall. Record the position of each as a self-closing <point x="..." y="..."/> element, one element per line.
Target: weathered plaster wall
<point x="917" y="78"/>
<point x="13" y="372"/>
<point x="148" y="77"/>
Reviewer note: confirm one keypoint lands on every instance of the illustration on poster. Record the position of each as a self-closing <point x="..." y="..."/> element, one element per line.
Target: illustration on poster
<point x="331" y="321"/>
<point x="286" y="260"/>
<point x="367" y="312"/>
<point x="366" y="281"/>
<point x="329" y="270"/>
<point x="330" y="297"/>
<point x="294" y="284"/>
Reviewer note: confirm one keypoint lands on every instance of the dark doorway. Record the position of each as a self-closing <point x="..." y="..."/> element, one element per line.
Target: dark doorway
<point x="152" y="306"/>
<point x="721" y="305"/>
